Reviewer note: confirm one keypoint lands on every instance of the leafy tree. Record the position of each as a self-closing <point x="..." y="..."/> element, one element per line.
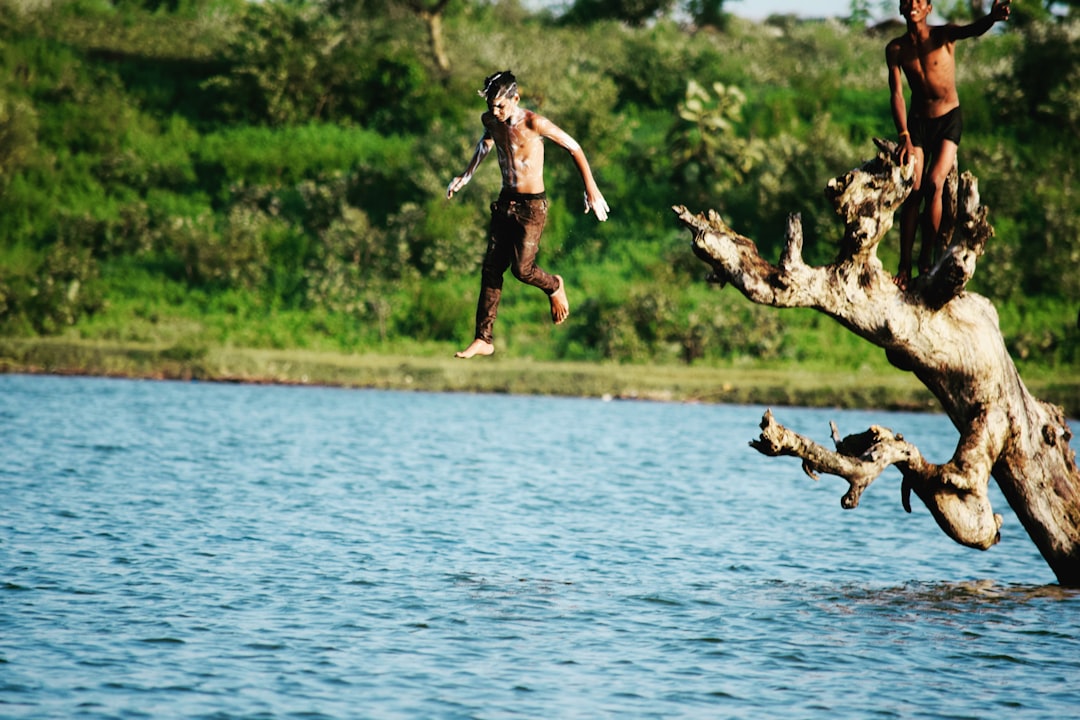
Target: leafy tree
<point x="431" y="12"/>
<point x="633" y="12"/>
<point x="18" y="137"/>
<point x="1047" y="72"/>
<point x="291" y="63"/>
<point x="861" y="13"/>
<point x="710" y="158"/>
<point x="707" y="13"/>
<point x="277" y="69"/>
<point x="50" y="291"/>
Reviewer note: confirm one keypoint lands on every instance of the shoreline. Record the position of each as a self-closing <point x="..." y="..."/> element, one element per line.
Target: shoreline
<point x="743" y="385"/>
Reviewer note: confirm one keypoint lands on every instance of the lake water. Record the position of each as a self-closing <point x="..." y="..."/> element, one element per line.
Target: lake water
<point x="223" y="551"/>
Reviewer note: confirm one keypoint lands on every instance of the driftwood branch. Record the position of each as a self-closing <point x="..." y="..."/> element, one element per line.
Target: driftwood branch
<point x="938" y="330"/>
<point x="958" y="501"/>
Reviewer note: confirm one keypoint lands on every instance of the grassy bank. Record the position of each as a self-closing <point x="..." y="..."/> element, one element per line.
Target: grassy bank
<point x="773" y="386"/>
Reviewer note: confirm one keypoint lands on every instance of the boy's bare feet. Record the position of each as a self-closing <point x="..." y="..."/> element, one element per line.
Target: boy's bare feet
<point x="560" y="306"/>
<point x="477" y="347"/>
<point x="902" y="280"/>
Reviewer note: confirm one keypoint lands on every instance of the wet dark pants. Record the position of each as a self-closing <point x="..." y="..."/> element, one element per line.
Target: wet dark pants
<point x="517" y="220"/>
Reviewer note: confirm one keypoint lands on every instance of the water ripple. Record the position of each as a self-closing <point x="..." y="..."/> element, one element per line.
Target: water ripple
<point x="206" y="551"/>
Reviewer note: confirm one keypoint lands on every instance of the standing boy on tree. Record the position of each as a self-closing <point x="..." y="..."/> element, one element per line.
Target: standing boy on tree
<point x="930" y="131"/>
<point x="518" y="216"/>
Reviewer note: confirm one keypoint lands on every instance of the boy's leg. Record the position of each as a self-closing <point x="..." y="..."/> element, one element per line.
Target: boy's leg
<point x="496" y="260"/>
<point x="935" y="192"/>
<point x="909" y="223"/>
<point x="532" y="215"/>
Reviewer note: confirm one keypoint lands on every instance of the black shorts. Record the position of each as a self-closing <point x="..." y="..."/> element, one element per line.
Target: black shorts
<point x="929" y="133"/>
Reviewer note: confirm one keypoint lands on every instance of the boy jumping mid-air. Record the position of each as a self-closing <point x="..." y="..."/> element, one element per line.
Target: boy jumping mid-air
<point x="517" y="217"/>
<point x="930" y="132"/>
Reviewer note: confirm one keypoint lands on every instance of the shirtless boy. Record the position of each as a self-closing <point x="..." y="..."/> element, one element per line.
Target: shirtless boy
<point x="518" y="216"/>
<point x="930" y="131"/>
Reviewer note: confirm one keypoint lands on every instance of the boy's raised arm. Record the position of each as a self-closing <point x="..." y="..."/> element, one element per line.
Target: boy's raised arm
<point x="999" y="12"/>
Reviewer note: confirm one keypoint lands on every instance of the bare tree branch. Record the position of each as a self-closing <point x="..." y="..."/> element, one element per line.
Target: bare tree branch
<point x="957" y="499"/>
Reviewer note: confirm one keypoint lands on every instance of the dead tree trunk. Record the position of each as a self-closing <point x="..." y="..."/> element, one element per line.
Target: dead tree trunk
<point x="948" y="337"/>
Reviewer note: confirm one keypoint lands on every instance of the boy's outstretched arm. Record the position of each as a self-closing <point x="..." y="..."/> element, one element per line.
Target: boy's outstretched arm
<point x="999" y="12"/>
<point x="594" y="200"/>
<point x="482" y="149"/>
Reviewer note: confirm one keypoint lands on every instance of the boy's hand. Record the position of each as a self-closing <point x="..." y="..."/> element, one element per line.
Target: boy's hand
<point x="598" y="205"/>
<point x="905" y="151"/>
<point x="1000" y="10"/>
<point x="456" y="184"/>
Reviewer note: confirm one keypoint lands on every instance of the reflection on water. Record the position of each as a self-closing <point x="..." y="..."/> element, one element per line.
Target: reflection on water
<point x="197" y="550"/>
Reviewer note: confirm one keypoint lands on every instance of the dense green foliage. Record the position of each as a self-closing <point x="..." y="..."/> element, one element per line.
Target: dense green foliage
<point x="273" y="174"/>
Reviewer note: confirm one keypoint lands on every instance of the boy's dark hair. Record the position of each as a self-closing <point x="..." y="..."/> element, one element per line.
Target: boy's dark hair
<point x="499" y="84"/>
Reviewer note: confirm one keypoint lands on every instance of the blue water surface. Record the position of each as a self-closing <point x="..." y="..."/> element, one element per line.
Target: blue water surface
<point x="224" y="551"/>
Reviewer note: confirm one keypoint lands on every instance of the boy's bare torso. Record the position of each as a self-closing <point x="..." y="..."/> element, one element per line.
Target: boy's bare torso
<point x="519" y="143"/>
<point x="929" y="65"/>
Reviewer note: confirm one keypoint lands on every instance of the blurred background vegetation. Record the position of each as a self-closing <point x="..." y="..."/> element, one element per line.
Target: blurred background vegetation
<point x="207" y="173"/>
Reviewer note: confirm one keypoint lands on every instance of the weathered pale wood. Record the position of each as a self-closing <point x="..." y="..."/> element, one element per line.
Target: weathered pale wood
<point x="948" y="337"/>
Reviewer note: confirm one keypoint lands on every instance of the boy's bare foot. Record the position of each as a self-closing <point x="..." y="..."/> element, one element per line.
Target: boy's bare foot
<point x="902" y="280"/>
<point x="560" y="306"/>
<point x="926" y="261"/>
<point x="477" y="347"/>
